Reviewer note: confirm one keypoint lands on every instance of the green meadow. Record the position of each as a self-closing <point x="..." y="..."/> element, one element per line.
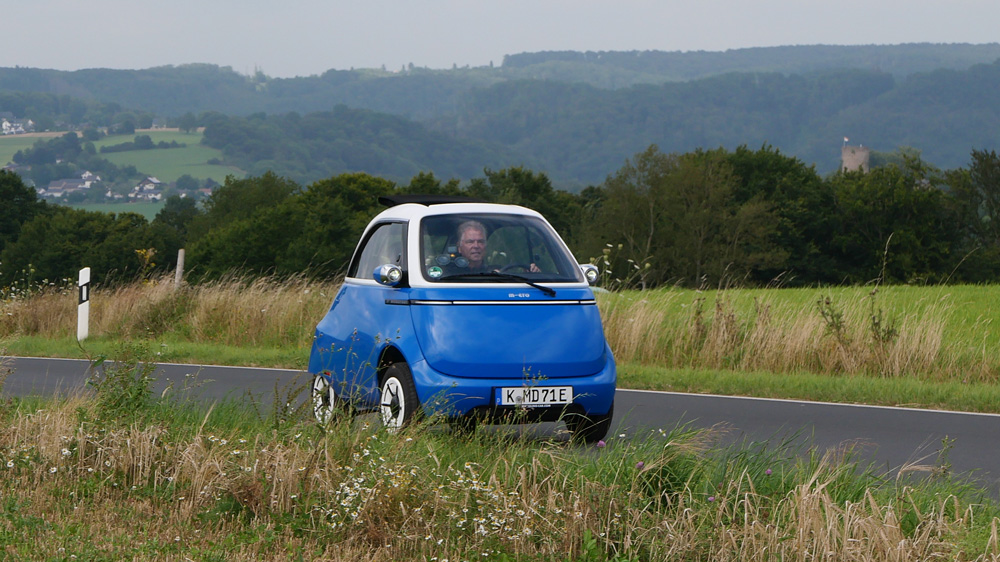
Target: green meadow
<point x="171" y="163"/>
<point x="165" y="164"/>
<point x="10" y="144"/>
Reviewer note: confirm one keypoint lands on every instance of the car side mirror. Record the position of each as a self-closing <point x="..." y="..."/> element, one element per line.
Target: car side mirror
<point x="590" y="272"/>
<point x="388" y="274"/>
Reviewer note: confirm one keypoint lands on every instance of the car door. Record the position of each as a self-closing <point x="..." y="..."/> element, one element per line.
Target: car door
<point x="361" y="321"/>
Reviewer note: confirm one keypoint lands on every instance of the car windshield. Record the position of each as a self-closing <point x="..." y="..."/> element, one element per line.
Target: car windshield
<point x="494" y="248"/>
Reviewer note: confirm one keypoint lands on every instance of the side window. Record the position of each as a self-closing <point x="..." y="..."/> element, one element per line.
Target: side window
<point x="384" y="245"/>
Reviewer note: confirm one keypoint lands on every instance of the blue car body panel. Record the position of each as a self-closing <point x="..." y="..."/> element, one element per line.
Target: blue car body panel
<point x="489" y="334"/>
<point x="462" y="344"/>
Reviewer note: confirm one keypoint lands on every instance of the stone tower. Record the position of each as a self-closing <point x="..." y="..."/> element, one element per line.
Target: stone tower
<point x="854" y="157"/>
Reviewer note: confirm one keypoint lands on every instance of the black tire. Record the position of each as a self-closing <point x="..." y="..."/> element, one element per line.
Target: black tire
<point x="398" y="402"/>
<point x="590" y="429"/>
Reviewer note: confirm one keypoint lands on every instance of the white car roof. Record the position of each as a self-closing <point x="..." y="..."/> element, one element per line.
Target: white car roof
<point x="411" y="211"/>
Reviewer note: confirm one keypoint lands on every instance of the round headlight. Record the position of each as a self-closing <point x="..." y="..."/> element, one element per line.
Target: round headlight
<point x="388" y="274"/>
<point x="590" y="272"/>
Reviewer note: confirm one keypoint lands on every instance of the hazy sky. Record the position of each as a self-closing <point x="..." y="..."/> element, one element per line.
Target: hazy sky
<point x="304" y="37"/>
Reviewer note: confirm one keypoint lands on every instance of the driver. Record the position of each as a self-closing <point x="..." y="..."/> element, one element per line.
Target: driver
<point x="472" y="246"/>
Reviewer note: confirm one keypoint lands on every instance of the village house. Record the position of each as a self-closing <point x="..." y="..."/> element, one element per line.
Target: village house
<point x="13" y="126"/>
<point x="149" y="189"/>
<point x="58" y="189"/>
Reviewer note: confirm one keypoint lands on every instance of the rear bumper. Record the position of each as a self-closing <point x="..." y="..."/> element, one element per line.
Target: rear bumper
<point x="454" y="396"/>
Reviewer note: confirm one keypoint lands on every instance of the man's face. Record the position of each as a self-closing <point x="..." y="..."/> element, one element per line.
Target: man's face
<point x="473" y="246"/>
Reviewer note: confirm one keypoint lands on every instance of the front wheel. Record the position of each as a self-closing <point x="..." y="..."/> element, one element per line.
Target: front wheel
<point x="590" y="429"/>
<point x="323" y="399"/>
<point x="399" y="402"/>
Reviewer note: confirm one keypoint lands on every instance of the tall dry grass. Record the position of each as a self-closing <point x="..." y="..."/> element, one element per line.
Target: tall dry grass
<point x="235" y="311"/>
<point x="855" y="335"/>
<point x="158" y="491"/>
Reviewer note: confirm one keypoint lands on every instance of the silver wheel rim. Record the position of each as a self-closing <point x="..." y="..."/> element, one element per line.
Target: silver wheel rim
<point x="393" y="405"/>
<point x="322" y="399"/>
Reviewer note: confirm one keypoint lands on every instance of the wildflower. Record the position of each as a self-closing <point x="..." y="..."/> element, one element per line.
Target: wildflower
<point x="10" y="464"/>
<point x="711" y="498"/>
<point x="639" y="465"/>
<point x="601" y="444"/>
<point x="53" y="470"/>
<point x="767" y="472"/>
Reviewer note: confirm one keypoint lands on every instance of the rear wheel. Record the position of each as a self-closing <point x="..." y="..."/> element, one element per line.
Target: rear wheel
<point x="590" y="429"/>
<point x="399" y="402"/>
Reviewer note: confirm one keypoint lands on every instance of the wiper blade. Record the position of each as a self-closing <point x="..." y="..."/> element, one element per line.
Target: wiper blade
<point x="507" y="276"/>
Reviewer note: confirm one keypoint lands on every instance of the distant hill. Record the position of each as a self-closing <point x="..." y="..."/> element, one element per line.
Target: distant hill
<point x="618" y="69"/>
<point x="574" y="115"/>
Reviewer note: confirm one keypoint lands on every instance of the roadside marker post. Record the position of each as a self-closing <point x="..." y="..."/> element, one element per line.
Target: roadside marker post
<point x="179" y="272"/>
<point x="83" y="308"/>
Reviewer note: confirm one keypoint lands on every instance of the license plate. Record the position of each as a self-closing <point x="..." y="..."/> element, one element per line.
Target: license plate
<point x="534" y="395"/>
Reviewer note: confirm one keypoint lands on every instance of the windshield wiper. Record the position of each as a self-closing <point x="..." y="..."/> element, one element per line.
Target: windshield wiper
<point x="506" y="276"/>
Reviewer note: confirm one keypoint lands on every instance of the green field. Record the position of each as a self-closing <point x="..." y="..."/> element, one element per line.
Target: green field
<point x="169" y="164"/>
<point x="165" y="164"/>
<point x="10" y="144"/>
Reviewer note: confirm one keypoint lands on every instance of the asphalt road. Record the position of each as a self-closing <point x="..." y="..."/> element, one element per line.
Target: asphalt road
<point x="890" y="438"/>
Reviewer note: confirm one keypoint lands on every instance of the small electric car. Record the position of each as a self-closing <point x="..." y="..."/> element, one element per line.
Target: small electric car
<point x="466" y="310"/>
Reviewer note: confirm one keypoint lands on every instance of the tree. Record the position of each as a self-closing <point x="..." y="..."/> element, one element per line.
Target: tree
<point x="144" y="142"/>
<point x="187" y="183"/>
<point x="334" y="213"/>
<point x="896" y="225"/>
<point x="680" y="214"/>
<point x="520" y="186"/>
<point x="976" y="192"/>
<point x="57" y="245"/>
<point x="313" y="231"/>
<point x="240" y="199"/>
<point x="18" y="205"/>
<point x="177" y="213"/>
<point x="802" y="204"/>
<point x="187" y="122"/>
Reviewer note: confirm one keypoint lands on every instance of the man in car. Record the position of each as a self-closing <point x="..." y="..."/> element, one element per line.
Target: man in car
<point x="472" y="246"/>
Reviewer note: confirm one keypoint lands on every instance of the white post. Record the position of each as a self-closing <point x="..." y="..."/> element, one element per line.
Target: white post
<point x="83" y="310"/>
<point x="179" y="274"/>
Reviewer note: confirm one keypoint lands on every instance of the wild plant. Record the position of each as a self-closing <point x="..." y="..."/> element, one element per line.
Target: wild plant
<point x="123" y="387"/>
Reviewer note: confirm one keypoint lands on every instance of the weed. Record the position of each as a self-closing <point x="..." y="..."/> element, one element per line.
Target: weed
<point x="124" y="386"/>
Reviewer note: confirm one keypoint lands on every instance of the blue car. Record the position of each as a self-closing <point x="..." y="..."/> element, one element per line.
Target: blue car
<point x="466" y="310"/>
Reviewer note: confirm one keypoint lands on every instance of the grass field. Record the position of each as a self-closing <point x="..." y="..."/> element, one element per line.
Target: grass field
<point x="124" y="474"/>
<point x="172" y="163"/>
<point x="907" y="346"/>
<point x="10" y="144"/>
<point x="165" y="164"/>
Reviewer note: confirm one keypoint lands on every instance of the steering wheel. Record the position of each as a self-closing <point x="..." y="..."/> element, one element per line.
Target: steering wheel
<point x="523" y="266"/>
